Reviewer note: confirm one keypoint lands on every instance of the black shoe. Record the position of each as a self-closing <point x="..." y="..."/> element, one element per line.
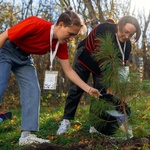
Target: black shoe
<point x="6" y="116"/>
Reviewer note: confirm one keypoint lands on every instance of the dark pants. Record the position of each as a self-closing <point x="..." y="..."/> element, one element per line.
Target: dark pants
<point x="75" y="92"/>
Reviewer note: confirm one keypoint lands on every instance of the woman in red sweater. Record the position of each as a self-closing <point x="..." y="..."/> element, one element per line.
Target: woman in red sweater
<point x="37" y="36"/>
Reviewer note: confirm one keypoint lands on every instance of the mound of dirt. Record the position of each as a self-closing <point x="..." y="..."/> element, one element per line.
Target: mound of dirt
<point x="131" y="144"/>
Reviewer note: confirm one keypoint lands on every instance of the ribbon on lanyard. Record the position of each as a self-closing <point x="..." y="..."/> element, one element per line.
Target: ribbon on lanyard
<point x="52" y="54"/>
<point x="122" y="51"/>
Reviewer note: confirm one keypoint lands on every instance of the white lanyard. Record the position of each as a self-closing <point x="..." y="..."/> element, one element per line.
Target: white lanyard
<point x="52" y="54"/>
<point x="122" y="51"/>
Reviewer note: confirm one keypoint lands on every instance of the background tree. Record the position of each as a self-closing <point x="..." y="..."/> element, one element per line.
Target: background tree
<point x="13" y="11"/>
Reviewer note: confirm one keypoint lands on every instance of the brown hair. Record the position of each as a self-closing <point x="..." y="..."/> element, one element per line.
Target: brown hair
<point x="129" y="19"/>
<point x="70" y="18"/>
<point x="110" y="20"/>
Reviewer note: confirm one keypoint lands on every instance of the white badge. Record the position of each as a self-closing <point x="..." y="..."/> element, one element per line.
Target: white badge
<point x="50" y="81"/>
<point x="124" y="74"/>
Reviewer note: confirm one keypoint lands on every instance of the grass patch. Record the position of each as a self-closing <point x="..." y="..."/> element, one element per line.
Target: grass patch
<point x="50" y="118"/>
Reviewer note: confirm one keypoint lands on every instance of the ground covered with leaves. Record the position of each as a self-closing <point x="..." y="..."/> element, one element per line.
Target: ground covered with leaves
<point x="102" y="144"/>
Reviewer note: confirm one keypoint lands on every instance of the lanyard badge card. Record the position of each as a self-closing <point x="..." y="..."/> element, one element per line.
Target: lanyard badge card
<point x="123" y="71"/>
<point x="124" y="74"/>
<point x="50" y="81"/>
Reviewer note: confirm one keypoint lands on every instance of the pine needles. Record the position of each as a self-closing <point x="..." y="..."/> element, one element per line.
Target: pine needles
<point x="107" y="56"/>
<point x="111" y="66"/>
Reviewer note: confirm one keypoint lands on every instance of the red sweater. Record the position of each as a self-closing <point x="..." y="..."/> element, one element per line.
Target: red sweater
<point x="32" y="35"/>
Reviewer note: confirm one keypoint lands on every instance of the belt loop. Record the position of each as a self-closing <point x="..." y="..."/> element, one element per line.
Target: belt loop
<point x="18" y="49"/>
<point x="13" y="44"/>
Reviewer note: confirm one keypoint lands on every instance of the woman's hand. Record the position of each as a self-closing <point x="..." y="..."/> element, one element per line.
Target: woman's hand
<point x="94" y="92"/>
<point x="73" y="76"/>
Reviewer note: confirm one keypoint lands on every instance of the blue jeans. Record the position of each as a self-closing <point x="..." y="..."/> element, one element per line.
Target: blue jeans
<point x="21" y="64"/>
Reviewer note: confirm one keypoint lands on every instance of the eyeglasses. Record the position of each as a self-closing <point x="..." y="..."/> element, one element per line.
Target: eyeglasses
<point x="127" y="33"/>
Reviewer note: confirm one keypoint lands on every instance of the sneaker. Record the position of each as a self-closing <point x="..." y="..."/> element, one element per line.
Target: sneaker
<point x="130" y="133"/>
<point x="63" y="128"/>
<point x="93" y="130"/>
<point x="31" y="139"/>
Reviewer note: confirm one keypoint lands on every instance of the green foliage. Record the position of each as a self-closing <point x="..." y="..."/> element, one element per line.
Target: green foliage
<point x="97" y="109"/>
<point x="107" y="56"/>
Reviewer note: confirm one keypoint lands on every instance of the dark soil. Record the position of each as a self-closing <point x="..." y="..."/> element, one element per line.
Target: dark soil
<point x="104" y="144"/>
